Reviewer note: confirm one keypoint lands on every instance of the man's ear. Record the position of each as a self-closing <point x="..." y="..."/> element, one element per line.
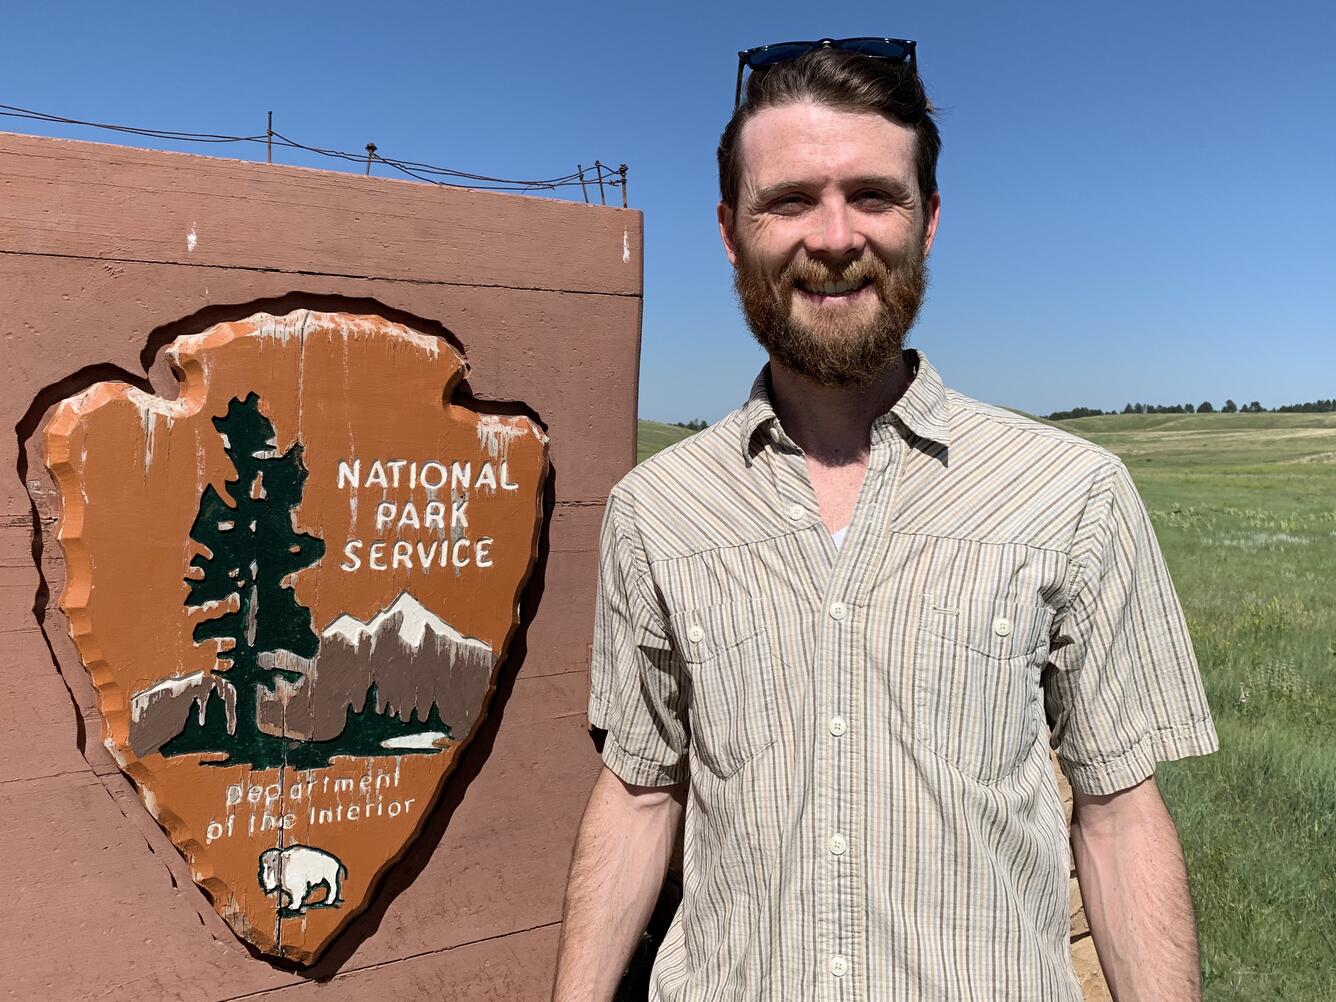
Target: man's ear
<point x="726" y="233"/>
<point x="930" y="226"/>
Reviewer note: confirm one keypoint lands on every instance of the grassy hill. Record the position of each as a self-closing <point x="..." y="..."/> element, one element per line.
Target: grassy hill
<point x="651" y="436"/>
<point x="1244" y="507"/>
<point x="1198" y="422"/>
<point x="1219" y="441"/>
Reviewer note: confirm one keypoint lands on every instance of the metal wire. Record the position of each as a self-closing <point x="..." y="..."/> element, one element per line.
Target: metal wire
<point x="600" y="173"/>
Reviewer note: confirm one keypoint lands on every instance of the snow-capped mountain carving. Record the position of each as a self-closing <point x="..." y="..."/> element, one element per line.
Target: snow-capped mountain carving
<point x="415" y="620"/>
<point x="158" y="713"/>
<point x="413" y="657"/>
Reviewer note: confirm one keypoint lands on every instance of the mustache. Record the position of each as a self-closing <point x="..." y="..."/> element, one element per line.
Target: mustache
<point x="809" y="272"/>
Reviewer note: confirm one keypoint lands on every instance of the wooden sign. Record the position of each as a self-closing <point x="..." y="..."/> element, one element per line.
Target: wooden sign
<point x="292" y="586"/>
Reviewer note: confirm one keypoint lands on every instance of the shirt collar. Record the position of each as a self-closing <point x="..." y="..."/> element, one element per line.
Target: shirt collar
<point x="758" y="412"/>
<point x="922" y="408"/>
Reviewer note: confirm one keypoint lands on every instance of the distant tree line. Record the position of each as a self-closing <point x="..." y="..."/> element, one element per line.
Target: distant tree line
<point x="1077" y="412"/>
<point x="1314" y="407"/>
<point x="1205" y="407"/>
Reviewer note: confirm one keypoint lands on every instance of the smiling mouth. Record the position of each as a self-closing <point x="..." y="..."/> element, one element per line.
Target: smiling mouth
<point x="833" y="291"/>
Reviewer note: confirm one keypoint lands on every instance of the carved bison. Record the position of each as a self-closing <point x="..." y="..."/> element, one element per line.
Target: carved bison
<point x="294" y="872"/>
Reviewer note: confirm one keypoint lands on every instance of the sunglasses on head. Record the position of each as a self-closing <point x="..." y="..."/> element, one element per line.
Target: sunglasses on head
<point x="897" y="50"/>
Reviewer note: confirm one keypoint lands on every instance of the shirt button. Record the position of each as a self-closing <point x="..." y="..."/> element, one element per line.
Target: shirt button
<point x="839" y="966"/>
<point x="795" y="512"/>
<point x="839" y="610"/>
<point x="838" y="726"/>
<point x="1002" y="626"/>
<point x="838" y="844"/>
<point x="695" y="634"/>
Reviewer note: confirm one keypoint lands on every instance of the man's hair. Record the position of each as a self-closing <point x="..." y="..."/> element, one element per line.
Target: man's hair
<point x="845" y="81"/>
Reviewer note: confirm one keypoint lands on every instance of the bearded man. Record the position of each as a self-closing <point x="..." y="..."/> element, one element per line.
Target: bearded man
<point x="841" y="629"/>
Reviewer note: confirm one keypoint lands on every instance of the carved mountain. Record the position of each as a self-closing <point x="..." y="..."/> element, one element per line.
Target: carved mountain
<point x="414" y="659"/>
<point x="160" y="712"/>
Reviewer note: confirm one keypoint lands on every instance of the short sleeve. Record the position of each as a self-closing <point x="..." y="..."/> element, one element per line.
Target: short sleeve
<point x="1122" y="690"/>
<point x="636" y="677"/>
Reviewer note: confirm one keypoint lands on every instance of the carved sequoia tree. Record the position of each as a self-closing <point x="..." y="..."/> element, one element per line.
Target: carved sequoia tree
<point x="252" y="546"/>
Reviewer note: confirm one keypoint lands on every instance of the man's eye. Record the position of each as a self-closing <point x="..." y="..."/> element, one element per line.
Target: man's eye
<point x="873" y="197"/>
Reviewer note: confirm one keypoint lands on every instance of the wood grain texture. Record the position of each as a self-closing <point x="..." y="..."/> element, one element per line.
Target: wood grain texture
<point x="567" y="358"/>
<point x="106" y="202"/>
<point x="584" y="394"/>
<point x="492" y="862"/>
<point x="39" y="722"/>
<point x="93" y="911"/>
<point x="95" y="279"/>
<point x="516" y="968"/>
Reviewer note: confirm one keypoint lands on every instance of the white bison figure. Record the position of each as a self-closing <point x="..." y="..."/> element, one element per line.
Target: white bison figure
<point x="294" y="872"/>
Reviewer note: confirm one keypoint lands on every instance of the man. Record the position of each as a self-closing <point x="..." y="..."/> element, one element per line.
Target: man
<point x="841" y="629"/>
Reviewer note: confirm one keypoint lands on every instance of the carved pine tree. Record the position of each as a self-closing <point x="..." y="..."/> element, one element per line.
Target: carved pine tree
<point x="251" y="546"/>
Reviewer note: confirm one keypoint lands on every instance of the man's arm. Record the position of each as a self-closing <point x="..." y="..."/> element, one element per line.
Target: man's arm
<point x="1135" y="888"/>
<point x="621" y="856"/>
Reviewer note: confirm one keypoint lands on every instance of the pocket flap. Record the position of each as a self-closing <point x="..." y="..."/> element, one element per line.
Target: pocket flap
<point x="701" y="634"/>
<point x="996" y="629"/>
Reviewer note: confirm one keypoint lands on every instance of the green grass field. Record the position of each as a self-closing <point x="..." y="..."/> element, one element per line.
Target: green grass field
<point x="652" y="436"/>
<point x="1244" y="506"/>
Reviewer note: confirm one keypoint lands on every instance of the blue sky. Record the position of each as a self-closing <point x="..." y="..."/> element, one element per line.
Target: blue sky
<point x="1139" y="199"/>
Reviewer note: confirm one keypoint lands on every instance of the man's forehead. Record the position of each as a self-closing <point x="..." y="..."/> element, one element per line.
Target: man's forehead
<point x="813" y="142"/>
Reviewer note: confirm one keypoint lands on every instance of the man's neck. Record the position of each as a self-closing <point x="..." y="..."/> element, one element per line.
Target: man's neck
<point x="833" y="424"/>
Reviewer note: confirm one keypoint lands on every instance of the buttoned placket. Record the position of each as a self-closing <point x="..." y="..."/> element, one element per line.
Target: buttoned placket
<point x="837" y="731"/>
<point x="850" y="579"/>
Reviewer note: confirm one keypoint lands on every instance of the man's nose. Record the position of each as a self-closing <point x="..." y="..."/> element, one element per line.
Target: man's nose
<point x="833" y="235"/>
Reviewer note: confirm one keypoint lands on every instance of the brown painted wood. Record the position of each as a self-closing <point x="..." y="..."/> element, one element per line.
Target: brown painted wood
<point x="577" y="392"/>
<point x="456" y="888"/>
<point x="311" y="497"/>
<point x="80" y="876"/>
<point x="573" y="391"/>
<point x="584" y="392"/>
<point x="38" y="716"/>
<point x="95" y="280"/>
<point x="94" y="200"/>
<point x="503" y="859"/>
<point x="514" y="968"/>
<point x="557" y="631"/>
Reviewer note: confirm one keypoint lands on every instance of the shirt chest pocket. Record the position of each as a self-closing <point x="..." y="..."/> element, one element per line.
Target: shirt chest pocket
<point x="732" y="706"/>
<point x="976" y="682"/>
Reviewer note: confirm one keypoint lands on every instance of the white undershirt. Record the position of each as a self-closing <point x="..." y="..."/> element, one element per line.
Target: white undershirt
<point x="838" y="536"/>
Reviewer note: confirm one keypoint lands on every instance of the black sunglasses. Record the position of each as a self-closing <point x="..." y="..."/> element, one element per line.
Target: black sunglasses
<point x="897" y="50"/>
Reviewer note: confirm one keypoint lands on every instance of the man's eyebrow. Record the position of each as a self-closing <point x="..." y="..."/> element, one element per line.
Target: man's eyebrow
<point x="778" y="188"/>
<point x="892" y="185"/>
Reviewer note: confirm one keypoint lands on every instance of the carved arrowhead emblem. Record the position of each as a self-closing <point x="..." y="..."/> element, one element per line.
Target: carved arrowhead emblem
<point x="292" y="586"/>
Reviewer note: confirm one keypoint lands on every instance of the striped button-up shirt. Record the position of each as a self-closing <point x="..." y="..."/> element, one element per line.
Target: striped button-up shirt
<point x="865" y="730"/>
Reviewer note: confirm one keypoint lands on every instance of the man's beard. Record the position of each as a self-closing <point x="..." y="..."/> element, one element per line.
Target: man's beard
<point x="835" y="350"/>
